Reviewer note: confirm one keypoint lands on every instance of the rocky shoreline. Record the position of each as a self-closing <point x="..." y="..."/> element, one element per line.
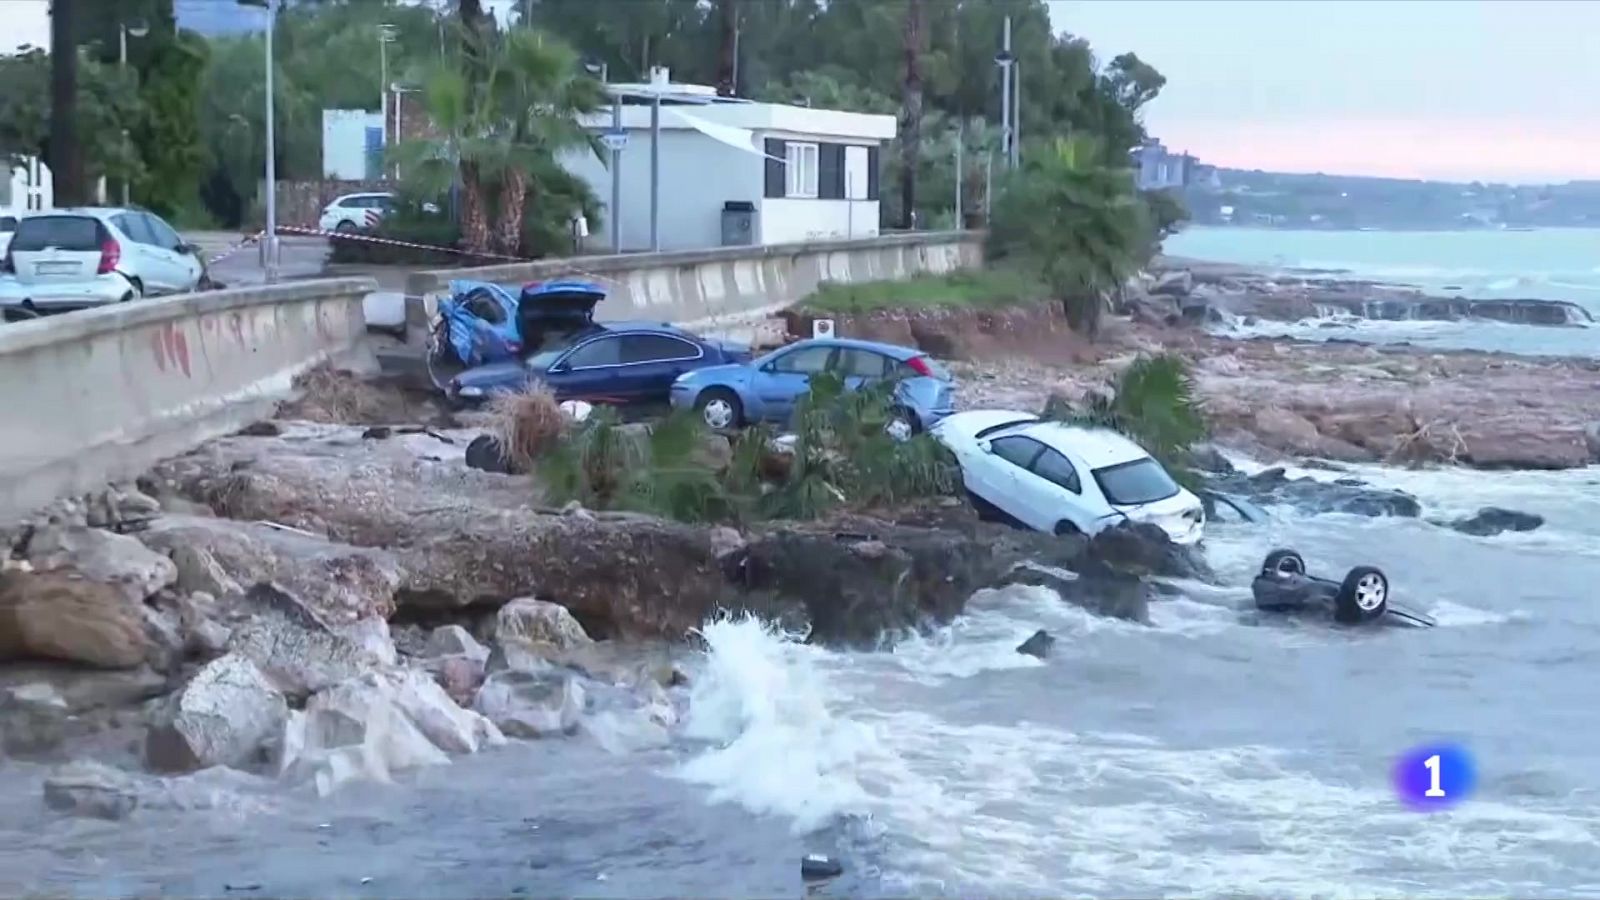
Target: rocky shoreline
<point x="336" y="595"/>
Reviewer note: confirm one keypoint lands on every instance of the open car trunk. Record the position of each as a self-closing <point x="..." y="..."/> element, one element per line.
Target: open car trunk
<point x="551" y="314"/>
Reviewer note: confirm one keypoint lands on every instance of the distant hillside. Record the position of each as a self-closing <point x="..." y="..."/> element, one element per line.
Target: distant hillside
<point x="1288" y="200"/>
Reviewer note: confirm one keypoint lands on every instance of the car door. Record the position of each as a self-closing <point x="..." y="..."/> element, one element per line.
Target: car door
<point x="183" y="265"/>
<point x="1053" y="492"/>
<point x="651" y="362"/>
<point x="589" y="371"/>
<point x="781" y="380"/>
<point x="996" y="474"/>
<point x="141" y="258"/>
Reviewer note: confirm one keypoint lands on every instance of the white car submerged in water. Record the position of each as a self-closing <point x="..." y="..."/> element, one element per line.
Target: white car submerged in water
<point x="1063" y="479"/>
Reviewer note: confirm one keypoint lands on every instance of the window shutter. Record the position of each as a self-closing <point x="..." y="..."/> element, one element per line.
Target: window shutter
<point x="777" y="153"/>
<point x="872" y="172"/>
<point x="830" y="172"/>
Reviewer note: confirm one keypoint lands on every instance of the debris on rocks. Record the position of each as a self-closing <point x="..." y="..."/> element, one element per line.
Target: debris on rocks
<point x="1038" y="645"/>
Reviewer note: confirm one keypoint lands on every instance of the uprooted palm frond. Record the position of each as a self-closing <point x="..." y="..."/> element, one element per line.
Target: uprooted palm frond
<point x="590" y="462"/>
<point x="1154" y="403"/>
<point x="526" y="424"/>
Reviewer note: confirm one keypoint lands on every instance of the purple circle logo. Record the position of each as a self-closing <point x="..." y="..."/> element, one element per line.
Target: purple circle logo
<point x="1434" y="776"/>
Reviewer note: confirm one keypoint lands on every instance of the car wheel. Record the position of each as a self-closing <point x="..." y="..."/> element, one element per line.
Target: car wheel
<point x="1362" y="597"/>
<point x="1283" y="562"/>
<point x="345" y="227"/>
<point x="902" y="425"/>
<point x="1065" y="528"/>
<point x="720" y="409"/>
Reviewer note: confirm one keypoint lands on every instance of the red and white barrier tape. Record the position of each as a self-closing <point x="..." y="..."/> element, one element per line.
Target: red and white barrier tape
<point x="350" y="236"/>
<point x="235" y="248"/>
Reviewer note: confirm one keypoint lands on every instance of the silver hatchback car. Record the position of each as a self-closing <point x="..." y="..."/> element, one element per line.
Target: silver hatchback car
<point x="83" y="257"/>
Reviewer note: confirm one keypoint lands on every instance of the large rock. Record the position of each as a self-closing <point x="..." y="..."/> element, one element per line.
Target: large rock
<point x="225" y="716"/>
<point x="1292" y="432"/>
<point x="339" y="582"/>
<point x="298" y="651"/>
<point x="532" y="704"/>
<point x="1313" y="496"/>
<point x="1139" y="549"/>
<point x="63" y="616"/>
<point x="103" y="556"/>
<point x="469" y="538"/>
<point x="1109" y="594"/>
<point x="99" y="791"/>
<point x="534" y="621"/>
<point x="375" y="725"/>
<point x="46" y="706"/>
<point x="1492" y="520"/>
<point x="453" y="640"/>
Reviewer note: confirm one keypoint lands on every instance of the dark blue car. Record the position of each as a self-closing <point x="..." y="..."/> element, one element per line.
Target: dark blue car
<point x="581" y="359"/>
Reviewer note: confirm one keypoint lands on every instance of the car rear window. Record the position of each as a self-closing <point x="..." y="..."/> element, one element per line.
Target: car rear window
<point x="64" y="232"/>
<point x="1132" y="483"/>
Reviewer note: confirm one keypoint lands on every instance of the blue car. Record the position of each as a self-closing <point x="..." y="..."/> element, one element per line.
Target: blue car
<point x="578" y="358"/>
<point x="766" y="389"/>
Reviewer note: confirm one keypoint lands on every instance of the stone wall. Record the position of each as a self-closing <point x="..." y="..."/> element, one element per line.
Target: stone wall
<point x="100" y="395"/>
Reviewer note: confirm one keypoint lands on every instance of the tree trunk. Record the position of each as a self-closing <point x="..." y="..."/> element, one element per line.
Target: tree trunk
<point x="66" y="153"/>
<point x="911" y="113"/>
<point x="513" y="200"/>
<point x="727" y="46"/>
<point x="474" y="218"/>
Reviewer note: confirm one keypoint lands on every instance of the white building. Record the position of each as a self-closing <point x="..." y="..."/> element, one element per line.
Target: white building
<point x="802" y="174"/>
<point x="352" y="144"/>
<point x="26" y="188"/>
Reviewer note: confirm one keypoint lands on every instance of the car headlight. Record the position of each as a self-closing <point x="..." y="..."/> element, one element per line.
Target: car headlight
<point x="470" y="391"/>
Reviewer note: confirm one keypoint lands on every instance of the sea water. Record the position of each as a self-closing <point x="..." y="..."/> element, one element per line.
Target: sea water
<point x="1545" y="264"/>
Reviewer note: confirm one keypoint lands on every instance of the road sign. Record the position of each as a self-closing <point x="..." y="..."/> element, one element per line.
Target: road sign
<point x="614" y="140"/>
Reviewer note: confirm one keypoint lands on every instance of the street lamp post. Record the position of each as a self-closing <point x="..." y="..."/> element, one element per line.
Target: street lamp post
<point x="272" y="164"/>
<point x="138" y="29"/>
<point x="1005" y="60"/>
<point x="614" y="211"/>
<point x="386" y="34"/>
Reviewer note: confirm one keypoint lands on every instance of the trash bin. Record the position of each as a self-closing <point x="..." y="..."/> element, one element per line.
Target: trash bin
<point x="738" y="223"/>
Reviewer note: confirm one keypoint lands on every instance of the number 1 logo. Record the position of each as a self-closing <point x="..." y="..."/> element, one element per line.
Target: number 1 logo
<point x="1434" y="776"/>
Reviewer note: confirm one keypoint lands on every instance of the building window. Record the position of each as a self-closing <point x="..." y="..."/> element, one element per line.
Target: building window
<point x="802" y="169"/>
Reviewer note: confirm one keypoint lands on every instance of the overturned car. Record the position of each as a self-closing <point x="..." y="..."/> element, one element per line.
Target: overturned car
<point x="1362" y="598"/>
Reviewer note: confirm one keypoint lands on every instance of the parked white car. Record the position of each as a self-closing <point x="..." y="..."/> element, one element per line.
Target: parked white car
<point x="69" y="259"/>
<point x="1058" y="478"/>
<point x="353" y="212"/>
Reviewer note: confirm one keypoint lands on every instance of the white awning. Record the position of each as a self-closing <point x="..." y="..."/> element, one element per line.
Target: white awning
<point x="737" y="138"/>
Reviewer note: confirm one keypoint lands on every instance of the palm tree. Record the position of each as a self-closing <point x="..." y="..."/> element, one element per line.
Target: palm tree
<point x="492" y="135"/>
<point x="1078" y="221"/>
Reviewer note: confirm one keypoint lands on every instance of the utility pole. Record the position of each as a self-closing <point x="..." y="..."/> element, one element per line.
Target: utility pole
<point x="1005" y="60"/>
<point x="655" y="165"/>
<point x="961" y="138"/>
<point x="66" y="154"/>
<point x="1016" y="114"/>
<point x="138" y="29"/>
<point x="271" y="245"/>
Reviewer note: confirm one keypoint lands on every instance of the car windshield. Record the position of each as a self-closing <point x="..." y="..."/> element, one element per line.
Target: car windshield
<point x="64" y="232"/>
<point x="1133" y="483"/>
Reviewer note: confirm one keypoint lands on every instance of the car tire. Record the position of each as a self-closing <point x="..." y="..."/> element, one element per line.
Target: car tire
<point x="1283" y="562"/>
<point x="1065" y="528"/>
<point x="1362" y="597"/>
<point x="135" y="291"/>
<point x="902" y="425"/>
<point x="719" y="409"/>
<point x="345" y="226"/>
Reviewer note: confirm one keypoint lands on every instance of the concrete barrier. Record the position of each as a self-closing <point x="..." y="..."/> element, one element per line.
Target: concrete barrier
<point x="711" y="290"/>
<point x="101" y="395"/>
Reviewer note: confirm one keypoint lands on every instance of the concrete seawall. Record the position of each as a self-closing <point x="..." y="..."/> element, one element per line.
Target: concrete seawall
<point x="100" y="395"/>
<point x="722" y="289"/>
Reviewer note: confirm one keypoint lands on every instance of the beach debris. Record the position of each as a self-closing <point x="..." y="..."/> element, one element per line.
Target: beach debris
<point x="817" y="866"/>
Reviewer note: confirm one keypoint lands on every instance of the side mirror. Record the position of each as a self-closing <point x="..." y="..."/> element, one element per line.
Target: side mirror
<point x="769" y="368"/>
<point x="186" y="249"/>
<point x="985" y="446"/>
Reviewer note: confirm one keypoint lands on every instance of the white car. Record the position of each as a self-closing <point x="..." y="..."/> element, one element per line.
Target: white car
<point x="354" y="212"/>
<point x="74" y="258"/>
<point x="1058" y="478"/>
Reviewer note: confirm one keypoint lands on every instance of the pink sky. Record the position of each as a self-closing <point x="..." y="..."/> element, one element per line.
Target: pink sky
<point x="1471" y="90"/>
